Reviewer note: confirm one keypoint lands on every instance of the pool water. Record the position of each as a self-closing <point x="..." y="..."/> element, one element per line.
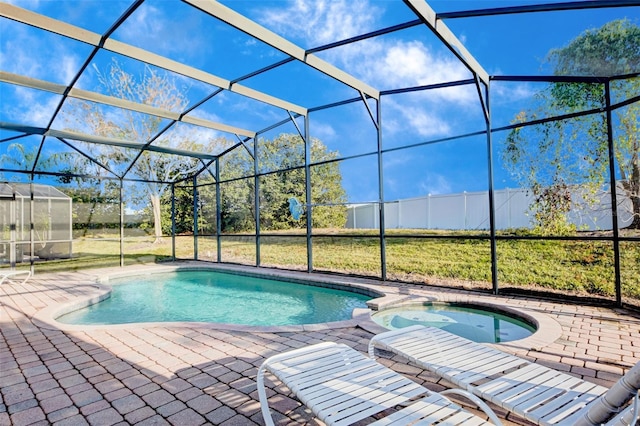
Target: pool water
<point x="473" y="323"/>
<point x="208" y="296"/>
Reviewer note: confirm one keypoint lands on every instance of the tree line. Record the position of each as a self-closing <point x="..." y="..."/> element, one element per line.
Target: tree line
<point x="237" y="201"/>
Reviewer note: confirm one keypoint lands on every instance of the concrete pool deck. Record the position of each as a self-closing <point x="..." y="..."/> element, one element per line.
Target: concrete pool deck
<point x="192" y="374"/>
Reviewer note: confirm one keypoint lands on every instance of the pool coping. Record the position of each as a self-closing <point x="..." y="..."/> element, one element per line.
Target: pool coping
<point x="388" y="295"/>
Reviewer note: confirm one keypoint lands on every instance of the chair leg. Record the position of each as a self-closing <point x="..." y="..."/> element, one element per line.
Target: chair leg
<point x="479" y="403"/>
<point x="262" y="397"/>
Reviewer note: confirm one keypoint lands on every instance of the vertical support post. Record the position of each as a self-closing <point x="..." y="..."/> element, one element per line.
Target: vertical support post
<point x="428" y="211"/>
<point x="218" y="212"/>
<point x="256" y="197"/>
<point x="307" y="192"/>
<point x="375" y="215"/>
<point x="13" y="219"/>
<point x="32" y="233"/>
<point x="492" y="204"/>
<point x="354" y="209"/>
<point x="614" y="197"/>
<point x="508" y="208"/>
<point x="70" y="230"/>
<point x="173" y="221"/>
<point x="195" y="218"/>
<point x="383" y="247"/>
<point x="464" y="218"/>
<point x="121" y="191"/>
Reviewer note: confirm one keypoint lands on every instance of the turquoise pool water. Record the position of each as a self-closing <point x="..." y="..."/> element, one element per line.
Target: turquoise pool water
<point x="207" y="296"/>
<point x="474" y="323"/>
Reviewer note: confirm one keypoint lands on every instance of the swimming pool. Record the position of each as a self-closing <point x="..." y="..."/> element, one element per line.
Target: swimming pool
<point x="476" y="323"/>
<point x="217" y="297"/>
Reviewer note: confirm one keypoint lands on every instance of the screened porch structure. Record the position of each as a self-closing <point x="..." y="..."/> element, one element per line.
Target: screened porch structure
<point x="198" y="165"/>
<point x="49" y="216"/>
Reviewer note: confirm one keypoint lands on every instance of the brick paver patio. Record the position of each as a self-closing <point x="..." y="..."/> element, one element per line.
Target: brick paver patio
<point x="202" y="374"/>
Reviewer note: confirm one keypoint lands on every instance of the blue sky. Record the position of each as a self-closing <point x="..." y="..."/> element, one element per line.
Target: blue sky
<point x="503" y="45"/>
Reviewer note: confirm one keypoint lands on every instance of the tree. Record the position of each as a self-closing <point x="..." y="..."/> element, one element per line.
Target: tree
<point x="555" y="157"/>
<point x="21" y="157"/>
<point x="153" y="169"/>
<point x="327" y="194"/>
<point x="284" y="152"/>
<point x="183" y="199"/>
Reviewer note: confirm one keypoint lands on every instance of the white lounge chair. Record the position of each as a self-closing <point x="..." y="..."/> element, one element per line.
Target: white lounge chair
<point x="8" y="276"/>
<point x="537" y="393"/>
<point x="342" y="386"/>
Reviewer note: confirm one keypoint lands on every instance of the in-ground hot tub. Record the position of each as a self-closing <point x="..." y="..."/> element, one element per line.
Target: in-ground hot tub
<point x="479" y="323"/>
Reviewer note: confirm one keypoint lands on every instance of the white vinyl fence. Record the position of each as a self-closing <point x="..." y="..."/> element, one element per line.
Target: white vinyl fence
<point x="470" y="210"/>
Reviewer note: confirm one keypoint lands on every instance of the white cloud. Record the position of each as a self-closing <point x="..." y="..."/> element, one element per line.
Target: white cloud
<point x="403" y="63"/>
<point x="384" y="62"/>
<point x="435" y="184"/>
<point x="322" y="131"/>
<point x="25" y="4"/>
<point x="69" y="67"/>
<point x="18" y="61"/>
<point x="425" y="122"/>
<point x="55" y="60"/>
<point x="387" y="62"/>
<point x="318" y="22"/>
<point x="29" y="107"/>
<point x="153" y="29"/>
<point x="144" y="26"/>
<point x="512" y="91"/>
<point x="206" y="115"/>
<point x="398" y="159"/>
<point x="181" y="132"/>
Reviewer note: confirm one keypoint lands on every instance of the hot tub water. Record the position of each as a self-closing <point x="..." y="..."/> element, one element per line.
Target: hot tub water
<point x="474" y="323"/>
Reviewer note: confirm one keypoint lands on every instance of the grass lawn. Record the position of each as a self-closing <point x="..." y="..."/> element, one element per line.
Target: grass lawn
<point x="572" y="267"/>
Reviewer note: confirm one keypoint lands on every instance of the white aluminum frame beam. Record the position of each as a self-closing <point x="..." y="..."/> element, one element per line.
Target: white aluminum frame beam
<point x="46" y="23"/>
<point x="125" y="144"/>
<point x="83" y="137"/>
<point x="119" y="103"/>
<point x="76" y="33"/>
<point x="246" y="25"/>
<point x="429" y="17"/>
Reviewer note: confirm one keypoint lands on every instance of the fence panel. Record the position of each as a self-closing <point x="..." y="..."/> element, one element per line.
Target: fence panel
<point x="470" y="211"/>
